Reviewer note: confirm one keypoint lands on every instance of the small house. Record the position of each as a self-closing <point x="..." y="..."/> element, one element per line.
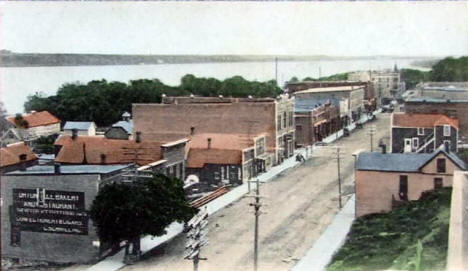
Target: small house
<point x="385" y="180"/>
<point x="16" y="156"/>
<point x="122" y="129"/>
<point x="83" y="128"/>
<point x="36" y="124"/>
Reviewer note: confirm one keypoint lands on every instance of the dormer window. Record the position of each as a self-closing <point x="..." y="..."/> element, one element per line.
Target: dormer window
<point x="446" y="130"/>
<point x="420" y="131"/>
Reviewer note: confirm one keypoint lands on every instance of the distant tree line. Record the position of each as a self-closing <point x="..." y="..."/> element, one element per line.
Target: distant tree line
<point x="104" y="102"/>
<point x="334" y="77"/>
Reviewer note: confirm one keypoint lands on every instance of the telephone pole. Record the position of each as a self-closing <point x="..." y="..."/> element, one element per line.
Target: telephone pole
<point x="371" y="133"/>
<point x="256" y="206"/>
<point x="197" y="237"/>
<point x="338" y="156"/>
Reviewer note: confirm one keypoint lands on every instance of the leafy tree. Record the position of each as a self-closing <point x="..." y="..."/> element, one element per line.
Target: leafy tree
<point x="450" y="69"/>
<point x="21" y="122"/>
<point x="126" y="212"/>
<point x="413" y="77"/>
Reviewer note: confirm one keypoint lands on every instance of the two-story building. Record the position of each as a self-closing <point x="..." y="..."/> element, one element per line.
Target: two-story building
<point x="178" y="117"/>
<point x="217" y="159"/>
<point x="423" y="132"/>
<point x="385" y="180"/>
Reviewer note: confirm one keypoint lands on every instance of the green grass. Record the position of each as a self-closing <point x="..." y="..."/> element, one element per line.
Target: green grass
<point x="412" y="237"/>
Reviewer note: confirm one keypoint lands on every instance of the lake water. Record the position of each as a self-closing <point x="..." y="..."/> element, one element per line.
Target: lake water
<point x="17" y="83"/>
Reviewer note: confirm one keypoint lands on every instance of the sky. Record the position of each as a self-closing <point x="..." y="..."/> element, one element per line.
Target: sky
<point x="269" y="28"/>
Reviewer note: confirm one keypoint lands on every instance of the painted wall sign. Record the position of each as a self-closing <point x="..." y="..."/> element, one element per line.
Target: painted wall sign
<point x="52" y="211"/>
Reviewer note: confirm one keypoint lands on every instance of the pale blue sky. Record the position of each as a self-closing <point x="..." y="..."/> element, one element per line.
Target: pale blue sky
<point x="300" y="28"/>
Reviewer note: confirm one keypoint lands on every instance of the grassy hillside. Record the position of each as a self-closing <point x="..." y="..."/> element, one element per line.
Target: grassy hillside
<point x="411" y="237"/>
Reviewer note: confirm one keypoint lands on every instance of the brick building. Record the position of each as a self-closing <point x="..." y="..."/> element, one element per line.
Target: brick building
<point x="218" y="159"/>
<point x="384" y="180"/>
<point x="423" y="132"/>
<point x="178" y="117"/>
<point x="316" y="119"/>
<point x="45" y="212"/>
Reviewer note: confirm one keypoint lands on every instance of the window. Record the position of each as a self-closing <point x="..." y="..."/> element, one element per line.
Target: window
<point x="403" y="190"/>
<point x="415" y="143"/>
<point x="284" y="120"/>
<point x="278" y="122"/>
<point x="437" y="183"/>
<point x="441" y="165"/>
<point x="291" y="118"/>
<point x="446" y="130"/>
<point x="420" y="131"/>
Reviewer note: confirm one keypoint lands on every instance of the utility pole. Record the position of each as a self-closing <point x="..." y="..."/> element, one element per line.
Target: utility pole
<point x="371" y="133"/>
<point x="338" y="157"/>
<point x="197" y="237"/>
<point x="256" y="206"/>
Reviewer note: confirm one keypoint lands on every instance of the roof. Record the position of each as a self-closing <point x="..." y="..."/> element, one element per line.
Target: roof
<point x="37" y="119"/>
<point x="126" y="125"/>
<point x="126" y="114"/>
<point x="306" y="105"/>
<point x="422" y="120"/>
<point x="331" y="89"/>
<point x="100" y="150"/>
<point x="79" y="125"/>
<point x="434" y="100"/>
<point x="197" y="158"/>
<point x="70" y="169"/>
<point x="222" y="141"/>
<point x="401" y="162"/>
<point x="10" y="155"/>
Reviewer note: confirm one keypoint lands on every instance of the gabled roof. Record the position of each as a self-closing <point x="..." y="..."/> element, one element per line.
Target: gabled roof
<point x="37" y="119"/>
<point x="422" y="120"/>
<point x="402" y="162"/>
<point x="126" y="125"/>
<point x="10" y="155"/>
<point x="100" y="150"/>
<point x="79" y="125"/>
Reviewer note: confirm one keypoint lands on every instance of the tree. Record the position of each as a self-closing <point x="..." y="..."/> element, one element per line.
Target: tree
<point x="126" y="212"/>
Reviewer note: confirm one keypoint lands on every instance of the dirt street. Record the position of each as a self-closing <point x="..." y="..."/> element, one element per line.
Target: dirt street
<point x="300" y="204"/>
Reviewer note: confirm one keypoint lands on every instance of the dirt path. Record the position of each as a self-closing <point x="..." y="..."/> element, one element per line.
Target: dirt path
<point x="301" y="204"/>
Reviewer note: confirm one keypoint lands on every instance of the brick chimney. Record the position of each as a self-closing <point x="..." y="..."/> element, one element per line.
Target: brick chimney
<point x="209" y="142"/>
<point x="192" y="130"/>
<point x="22" y="158"/>
<point x="103" y="158"/>
<point x="57" y="168"/>
<point x="138" y="137"/>
<point x="74" y="133"/>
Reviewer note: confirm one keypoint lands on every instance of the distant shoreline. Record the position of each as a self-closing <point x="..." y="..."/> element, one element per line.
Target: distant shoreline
<point x="19" y="60"/>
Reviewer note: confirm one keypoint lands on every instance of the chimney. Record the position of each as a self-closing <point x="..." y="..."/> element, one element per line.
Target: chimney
<point x="447" y="147"/>
<point x="103" y="158"/>
<point x="138" y="137"/>
<point x="22" y="158"/>
<point x="57" y="168"/>
<point x="74" y="133"/>
<point x="192" y="130"/>
<point x="384" y="148"/>
<point x="209" y="142"/>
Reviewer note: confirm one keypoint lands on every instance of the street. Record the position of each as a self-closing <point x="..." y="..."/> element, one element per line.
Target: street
<point x="299" y="205"/>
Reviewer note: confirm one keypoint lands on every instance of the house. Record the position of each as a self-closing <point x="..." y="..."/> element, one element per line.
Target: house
<point x="84" y="128"/>
<point x="122" y="129"/>
<point x="448" y="98"/>
<point x="16" y="156"/>
<point x="217" y="159"/>
<point x="457" y="253"/>
<point x="165" y="157"/>
<point x="384" y="180"/>
<point x="351" y="99"/>
<point x="316" y="119"/>
<point x="423" y="132"/>
<point x="177" y="117"/>
<point x="36" y="124"/>
<point x="45" y="212"/>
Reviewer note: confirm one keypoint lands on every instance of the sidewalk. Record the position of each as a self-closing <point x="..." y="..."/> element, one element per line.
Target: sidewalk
<point x="321" y="253"/>
<point x="148" y="243"/>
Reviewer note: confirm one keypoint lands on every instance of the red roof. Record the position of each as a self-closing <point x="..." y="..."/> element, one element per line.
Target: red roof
<point x="11" y="154"/>
<point x="197" y="158"/>
<point x="423" y="120"/>
<point x="100" y="150"/>
<point x="37" y="119"/>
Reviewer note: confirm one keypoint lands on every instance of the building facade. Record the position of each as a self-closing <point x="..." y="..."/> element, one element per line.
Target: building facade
<point x="178" y="117"/>
<point x="385" y="180"/>
<point x="423" y="132"/>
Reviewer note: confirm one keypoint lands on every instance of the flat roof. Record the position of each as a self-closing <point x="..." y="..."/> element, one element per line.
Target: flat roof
<point x="70" y="169"/>
<point x="331" y="89"/>
<point x="434" y="100"/>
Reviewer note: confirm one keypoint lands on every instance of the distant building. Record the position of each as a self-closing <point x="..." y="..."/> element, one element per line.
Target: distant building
<point x="386" y="84"/>
<point x="457" y="254"/>
<point x="36" y="124"/>
<point x="316" y="119"/>
<point x="45" y="212"/>
<point x="122" y="129"/>
<point x="385" y="180"/>
<point x="165" y="157"/>
<point x="351" y="99"/>
<point x="178" y="117"/>
<point x="448" y="98"/>
<point x="83" y="128"/>
<point x="16" y="156"/>
<point x="226" y="158"/>
<point x="423" y="132"/>
<point x="357" y="81"/>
